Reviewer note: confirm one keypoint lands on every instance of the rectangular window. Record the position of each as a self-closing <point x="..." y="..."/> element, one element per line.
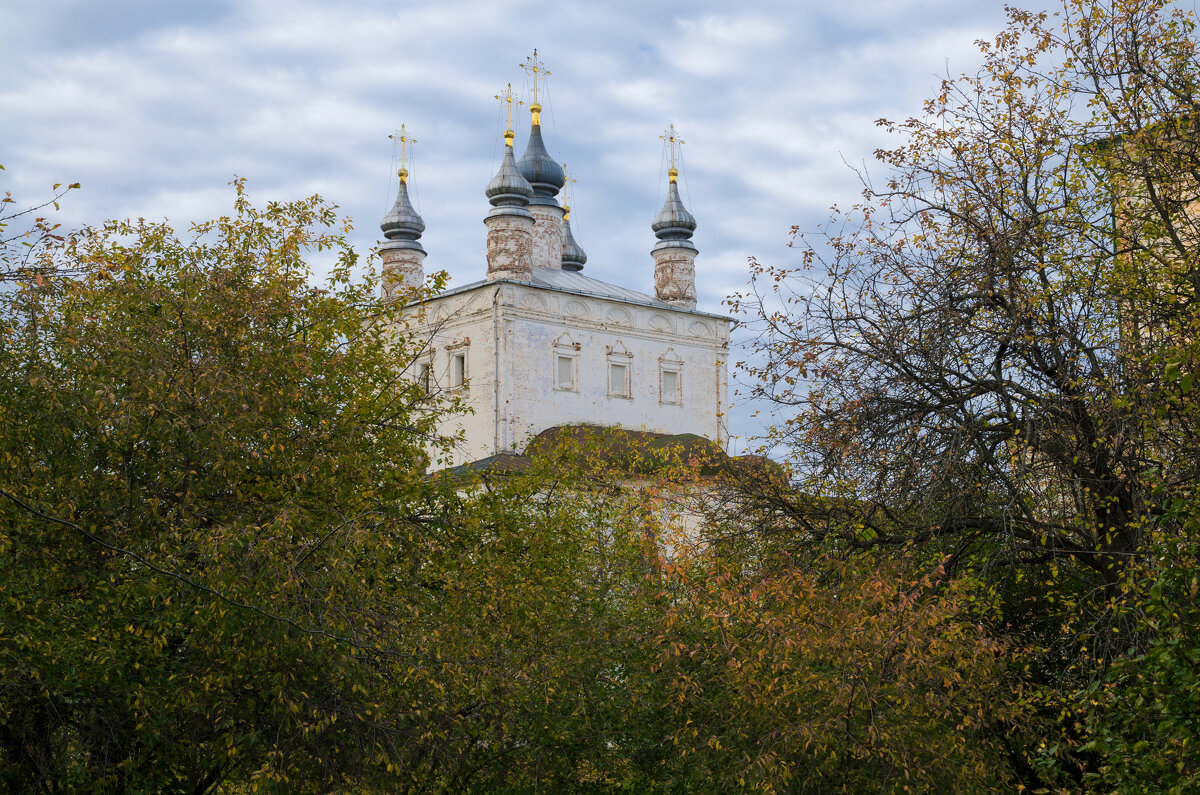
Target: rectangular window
<point x="565" y="372"/>
<point x="670" y="387"/>
<point x="423" y="377"/>
<point x="458" y="370"/>
<point x="618" y="379"/>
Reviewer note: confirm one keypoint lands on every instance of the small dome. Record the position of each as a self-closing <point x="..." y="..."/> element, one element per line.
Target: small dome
<point x="540" y="169"/>
<point x="573" y="256"/>
<point x="402" y="221"/>
<point x="673" y="221"/>
<point x="508" y="187"/>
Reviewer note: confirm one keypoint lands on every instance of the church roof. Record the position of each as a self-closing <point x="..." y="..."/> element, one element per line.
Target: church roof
<point x="578" y="284"/>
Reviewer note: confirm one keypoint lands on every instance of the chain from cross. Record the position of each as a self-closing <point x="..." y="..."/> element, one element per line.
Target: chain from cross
<point x="401" y="139"/>
<point x="673" y="142"/>
<point x="508" y="97"/>
<point x="533" y="67"/>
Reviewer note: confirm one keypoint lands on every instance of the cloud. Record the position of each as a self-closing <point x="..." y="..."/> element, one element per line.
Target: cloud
<point x="154" y="107"/>
<point x="726" y="47"/>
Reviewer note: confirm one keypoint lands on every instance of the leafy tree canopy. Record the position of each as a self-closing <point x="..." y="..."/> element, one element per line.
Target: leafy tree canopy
<point x="988" y="362"/>
<point x="213" y="484"/>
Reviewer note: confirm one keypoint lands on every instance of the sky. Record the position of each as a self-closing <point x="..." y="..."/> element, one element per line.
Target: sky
<point x="155" y="106"/>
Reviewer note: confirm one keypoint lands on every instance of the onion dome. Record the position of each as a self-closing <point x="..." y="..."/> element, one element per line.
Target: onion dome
<point x="508" y="188"/>
<point x="573" y="257"/>
<point x="402" y="226"/>
<point x="674" y="225"/>
<point x="538" y="167"/>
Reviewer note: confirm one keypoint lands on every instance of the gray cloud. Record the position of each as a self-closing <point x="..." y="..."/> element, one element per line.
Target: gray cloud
<point x="155" y="106"/>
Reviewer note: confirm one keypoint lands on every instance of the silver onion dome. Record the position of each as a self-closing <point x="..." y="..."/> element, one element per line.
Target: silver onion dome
<point x="508" y="188"/>
<point x="673" y="222"/>
<point x="402" y="226"/>
<point x="573" y="256"/>
<point x="542" y="171"/>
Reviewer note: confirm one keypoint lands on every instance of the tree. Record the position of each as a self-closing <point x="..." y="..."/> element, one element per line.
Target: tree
<point x="227" y="566"/>
<point x="972" y="356"/>
<point x="547" y="620"/>
<point x="211" y="488"/>
<point x="988" y="360"/>
<point x="1142" y="714"/>
<point x="20" y="248"/>
<point x="844" y="676"/>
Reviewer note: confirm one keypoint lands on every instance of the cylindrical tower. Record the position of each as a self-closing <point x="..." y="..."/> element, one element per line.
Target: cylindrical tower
<point x="509" y="223"/>
<point x="674" y="254"/>
<point x="402" y="254"/>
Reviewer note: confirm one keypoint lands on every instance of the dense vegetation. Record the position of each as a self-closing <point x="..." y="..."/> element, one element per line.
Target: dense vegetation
<point x="990" y="363"/>
<point x="224" y="566"/>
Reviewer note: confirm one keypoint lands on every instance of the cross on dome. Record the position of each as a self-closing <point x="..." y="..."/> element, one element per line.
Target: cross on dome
<point x="536" y="72"/>
<point x="507" y="97"/>
<point x="673" y="143"/>
<point x="533" y="67"/>
<point x="568" y="181"/>
<point x="402" y="141"/>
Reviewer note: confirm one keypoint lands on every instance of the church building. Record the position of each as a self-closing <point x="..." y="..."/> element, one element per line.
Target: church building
<point x="538" y="344"/>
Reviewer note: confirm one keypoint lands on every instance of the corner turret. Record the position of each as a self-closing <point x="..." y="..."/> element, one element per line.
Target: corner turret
<point x="402" y="254"/>
<point x="674" y="254"/>
<point x="509" y="223"/>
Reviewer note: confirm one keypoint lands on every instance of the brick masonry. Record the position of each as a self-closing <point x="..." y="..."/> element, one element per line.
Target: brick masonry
<point x="675" y="276"/>
<point x="509" y="246"/>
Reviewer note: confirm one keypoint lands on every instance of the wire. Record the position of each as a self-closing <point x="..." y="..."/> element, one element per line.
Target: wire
<point x="686" y="182"/>
<point x="414" y="191"/>
<point x="387" y="196"/>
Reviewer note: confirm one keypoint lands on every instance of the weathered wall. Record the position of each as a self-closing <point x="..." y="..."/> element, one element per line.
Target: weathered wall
<point x="526" y="399"/>
<point x="509" y="246"/>
<point x="675" y="276"/>
<point x="547" y="235"/>
<point x="401" y="265"/>
<point x="463" y="323"/>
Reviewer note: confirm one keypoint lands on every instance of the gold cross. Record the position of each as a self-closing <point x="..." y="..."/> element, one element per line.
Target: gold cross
<point x="533" y="67"/>
<point x="508" y="97"/>
<point x="673" y="142"/>
<point x="401" y="139"/>
<point x="568" y="181"/>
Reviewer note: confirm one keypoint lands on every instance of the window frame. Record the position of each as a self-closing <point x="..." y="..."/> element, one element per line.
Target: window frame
<point x="458" y="370"/>
<point x="620" y="356"/>
<point x="423" y="373"/>
<point x="454" y="352"/>
<point x="565" y="348"/>
<point x="669" y="362"/>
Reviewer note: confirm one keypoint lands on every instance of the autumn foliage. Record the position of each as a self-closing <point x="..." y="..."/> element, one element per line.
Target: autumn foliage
<point x="843" y="677"/>
<point x="990" y="359"/>
<point x="227" y="563"/>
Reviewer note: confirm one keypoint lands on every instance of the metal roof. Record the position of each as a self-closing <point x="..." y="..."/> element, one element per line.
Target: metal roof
<point x="578" y="284"/>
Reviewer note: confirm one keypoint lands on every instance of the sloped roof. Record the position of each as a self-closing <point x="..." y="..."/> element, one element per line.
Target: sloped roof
<point x="504" y="462"/>
<point x="576" y="283"/>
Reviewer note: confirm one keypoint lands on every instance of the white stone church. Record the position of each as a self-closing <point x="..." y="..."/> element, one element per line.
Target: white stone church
<point x="537" y="344"/>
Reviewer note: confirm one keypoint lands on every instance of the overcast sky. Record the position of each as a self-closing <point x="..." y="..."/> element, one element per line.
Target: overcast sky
<point x="154" y="106"/>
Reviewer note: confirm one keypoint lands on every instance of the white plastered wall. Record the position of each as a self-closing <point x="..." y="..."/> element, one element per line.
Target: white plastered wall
<point x="535" y="326"/>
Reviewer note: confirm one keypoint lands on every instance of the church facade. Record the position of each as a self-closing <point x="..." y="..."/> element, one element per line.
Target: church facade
<point x="538" y="344"/>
